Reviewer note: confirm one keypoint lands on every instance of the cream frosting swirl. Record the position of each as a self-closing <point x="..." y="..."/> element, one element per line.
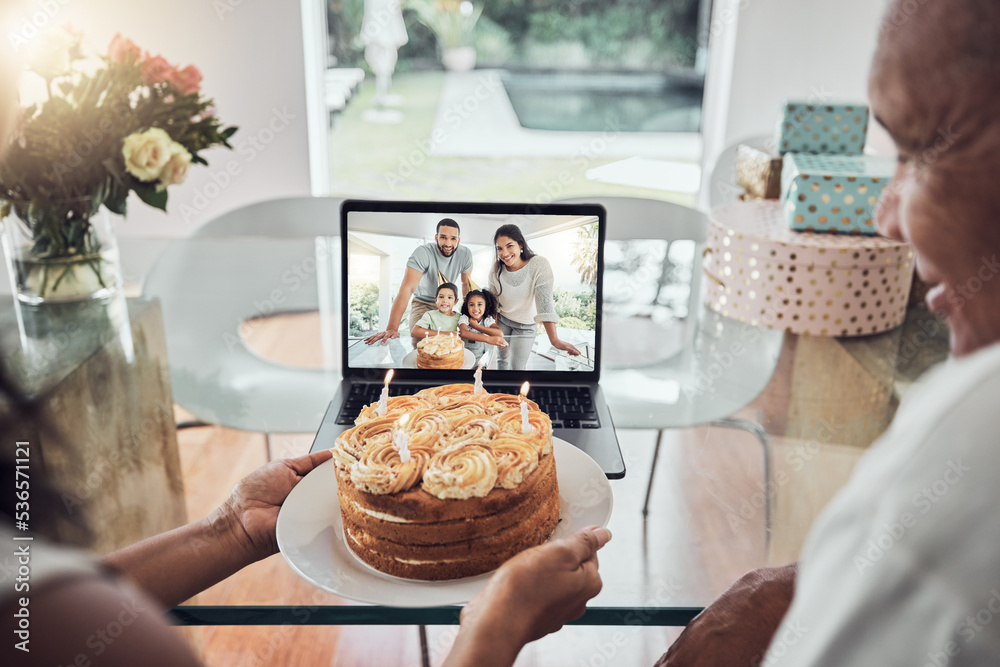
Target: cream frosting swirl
<point x="351" y="443"/>
<point x="381" y="471"/>
<point x="447" y="393"/>
<point x="497" y="403"/>
<point x="425" y="429"/>
<point x="540" y="434"/>
<point x="441" y="345"/>
<point x="516" y="459"/>
<point x="396" y="406"/>
<point x="462" y="471"/>
<point x="473" y="427"/>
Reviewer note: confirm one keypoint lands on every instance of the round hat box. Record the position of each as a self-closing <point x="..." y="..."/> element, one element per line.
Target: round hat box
<point x="761" y="272"/>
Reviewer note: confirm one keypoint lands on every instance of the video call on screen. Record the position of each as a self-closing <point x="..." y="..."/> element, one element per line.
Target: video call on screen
<point x="381" y="246"/>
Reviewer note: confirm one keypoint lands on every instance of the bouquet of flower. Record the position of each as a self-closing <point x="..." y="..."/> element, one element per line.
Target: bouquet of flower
<point x="127" y="121"/>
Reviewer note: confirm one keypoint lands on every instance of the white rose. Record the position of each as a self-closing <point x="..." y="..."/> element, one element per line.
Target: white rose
<point x="176" y="169"/>
<point x="52" y="51"/>
<point x="147" y="153"/>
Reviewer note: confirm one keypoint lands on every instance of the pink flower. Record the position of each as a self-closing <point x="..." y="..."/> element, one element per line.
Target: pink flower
<point x="122" y="50"/>
<point x="156" y="70"/>
<point x="186" y="81"/>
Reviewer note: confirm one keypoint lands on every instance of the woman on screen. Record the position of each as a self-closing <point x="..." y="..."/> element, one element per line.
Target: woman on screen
<point x="523" y="285"/>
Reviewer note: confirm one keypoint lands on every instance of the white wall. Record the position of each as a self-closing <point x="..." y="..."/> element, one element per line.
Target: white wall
<point x="783" y="48"/>
<point x="251" y="55"/>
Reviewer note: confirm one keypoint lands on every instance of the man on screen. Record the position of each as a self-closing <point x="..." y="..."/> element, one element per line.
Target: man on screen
<point x="445" y="257"/>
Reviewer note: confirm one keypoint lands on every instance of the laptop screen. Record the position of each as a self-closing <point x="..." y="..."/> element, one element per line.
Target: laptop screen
<point x="514" y="288"/>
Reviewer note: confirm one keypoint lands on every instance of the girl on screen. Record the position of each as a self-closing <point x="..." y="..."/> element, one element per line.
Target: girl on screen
<point x="478" y="323"/>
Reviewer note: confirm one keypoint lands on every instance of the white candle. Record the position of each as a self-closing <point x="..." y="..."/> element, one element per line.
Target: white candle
<point x="479" y="378"/>
<point x="383" y="401"/>
<point x="402" y="442"/>
<point x="525" y="426"/>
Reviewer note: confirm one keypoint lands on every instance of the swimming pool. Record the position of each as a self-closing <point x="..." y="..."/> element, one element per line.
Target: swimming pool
<point x="594" y="102"/>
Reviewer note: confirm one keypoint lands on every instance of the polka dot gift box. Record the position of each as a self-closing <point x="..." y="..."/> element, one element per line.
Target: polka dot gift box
<point x="763" y="273"/>
<point x="833" y="193"/>
<point x="807" y="127"/>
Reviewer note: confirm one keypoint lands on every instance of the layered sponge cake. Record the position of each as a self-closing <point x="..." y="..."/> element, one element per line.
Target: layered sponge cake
<point x="448" y="491"/>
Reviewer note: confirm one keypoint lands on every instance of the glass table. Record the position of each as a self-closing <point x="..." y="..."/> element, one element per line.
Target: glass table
<point x="821" y="401"/>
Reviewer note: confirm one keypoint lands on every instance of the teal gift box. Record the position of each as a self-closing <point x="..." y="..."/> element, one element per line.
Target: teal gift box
<point x="837" y="129"/>
<point x="833" y="193"/>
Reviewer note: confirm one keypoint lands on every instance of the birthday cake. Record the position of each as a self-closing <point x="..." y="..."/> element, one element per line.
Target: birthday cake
<point x="441" y="351"/>
<point x="448" y="491"/>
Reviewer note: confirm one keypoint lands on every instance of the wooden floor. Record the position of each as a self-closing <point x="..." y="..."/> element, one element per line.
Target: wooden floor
<point x="705" y="478"/>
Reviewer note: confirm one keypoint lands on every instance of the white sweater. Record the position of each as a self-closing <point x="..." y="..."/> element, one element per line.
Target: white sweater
<point x="527" y="293"/>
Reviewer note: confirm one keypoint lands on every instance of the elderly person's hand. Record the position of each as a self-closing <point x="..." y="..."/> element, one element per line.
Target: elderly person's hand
<point x="737" y="628"/>
<point x="531" y="595"/>
<point x="251" y="510"/>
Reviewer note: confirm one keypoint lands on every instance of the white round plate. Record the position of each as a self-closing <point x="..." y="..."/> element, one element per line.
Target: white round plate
<point x="311" y="536"/>
<point x="410" y="360"/>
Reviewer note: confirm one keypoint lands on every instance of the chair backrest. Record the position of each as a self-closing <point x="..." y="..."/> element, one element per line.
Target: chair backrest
<point x="632" y="218"/>
<point x="635" y="218"/>
<point x="288" y="217"/>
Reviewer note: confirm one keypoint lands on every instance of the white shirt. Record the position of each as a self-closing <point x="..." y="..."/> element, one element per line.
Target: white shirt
<point x="527" y="294"/>
<point x="903" y="566"/>
<point x="485" y="322"/>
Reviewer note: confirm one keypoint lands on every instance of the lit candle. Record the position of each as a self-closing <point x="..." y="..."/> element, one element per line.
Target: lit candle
<point x="402" y="441"/>
<point x="383" y="401"/>
<point x="525" y="426"/>
<point x="479" y="378"/>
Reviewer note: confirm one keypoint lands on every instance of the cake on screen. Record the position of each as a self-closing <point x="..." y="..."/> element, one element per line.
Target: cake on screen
<point x="448" y="483"/>
<point x="441" y="351"/>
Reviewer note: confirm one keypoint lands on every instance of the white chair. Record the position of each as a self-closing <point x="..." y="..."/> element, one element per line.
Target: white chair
<point x="248" y="263"/>
<point x="671" y="394"/>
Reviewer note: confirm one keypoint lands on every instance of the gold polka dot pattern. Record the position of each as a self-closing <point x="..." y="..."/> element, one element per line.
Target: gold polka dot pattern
<point x="834" y="193"/>
<point x="760" y="272"/>
<point x="805" y="127"/>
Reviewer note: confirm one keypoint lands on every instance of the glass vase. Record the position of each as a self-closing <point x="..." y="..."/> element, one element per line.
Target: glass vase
<point x="60" y="252"/>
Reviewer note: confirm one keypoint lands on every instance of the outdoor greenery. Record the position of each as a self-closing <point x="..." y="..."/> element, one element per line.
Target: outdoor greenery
<point x="584" y="257"/>
<point x="576" y="310"/>
<point x="363" y="297"/>
<point x="507" y="31"/>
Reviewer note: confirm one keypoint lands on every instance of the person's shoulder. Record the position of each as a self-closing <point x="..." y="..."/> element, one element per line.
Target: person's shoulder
<point x="421" y="254"/>
<point x="464" y="252"/>
<point x="463" y="319"/>
<point x="539" y="264"/>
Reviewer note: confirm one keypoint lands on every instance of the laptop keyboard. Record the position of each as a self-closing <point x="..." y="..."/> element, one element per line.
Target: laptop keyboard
<point x="567" y="407"/>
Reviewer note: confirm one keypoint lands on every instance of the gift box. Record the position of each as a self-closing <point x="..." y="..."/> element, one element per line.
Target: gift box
<point x="763" y="273"/>
<point x="833" y="193"/>
<point x="758" y="172"/>
<point x="807" y="127"/>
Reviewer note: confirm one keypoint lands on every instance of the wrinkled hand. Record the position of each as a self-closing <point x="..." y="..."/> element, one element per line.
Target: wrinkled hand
<point x="737" y="628"/>
<point x="540" y="589"/>
<point x="381" y="337"/>
<point x="499" y="341"/>
<point x="251" y="510"/>
<point x="566" y="347"/>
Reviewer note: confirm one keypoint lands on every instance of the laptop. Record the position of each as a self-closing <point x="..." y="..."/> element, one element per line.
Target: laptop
<point x="382" y="240"/>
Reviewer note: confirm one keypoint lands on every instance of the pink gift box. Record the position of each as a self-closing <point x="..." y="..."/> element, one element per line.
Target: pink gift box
<point x="761" y="272"/>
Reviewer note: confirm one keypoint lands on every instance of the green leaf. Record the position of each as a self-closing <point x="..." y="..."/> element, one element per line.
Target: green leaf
<point x="228" y="132"/>
<point x="117" y="201"/>
<point x="147" y="193"/>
